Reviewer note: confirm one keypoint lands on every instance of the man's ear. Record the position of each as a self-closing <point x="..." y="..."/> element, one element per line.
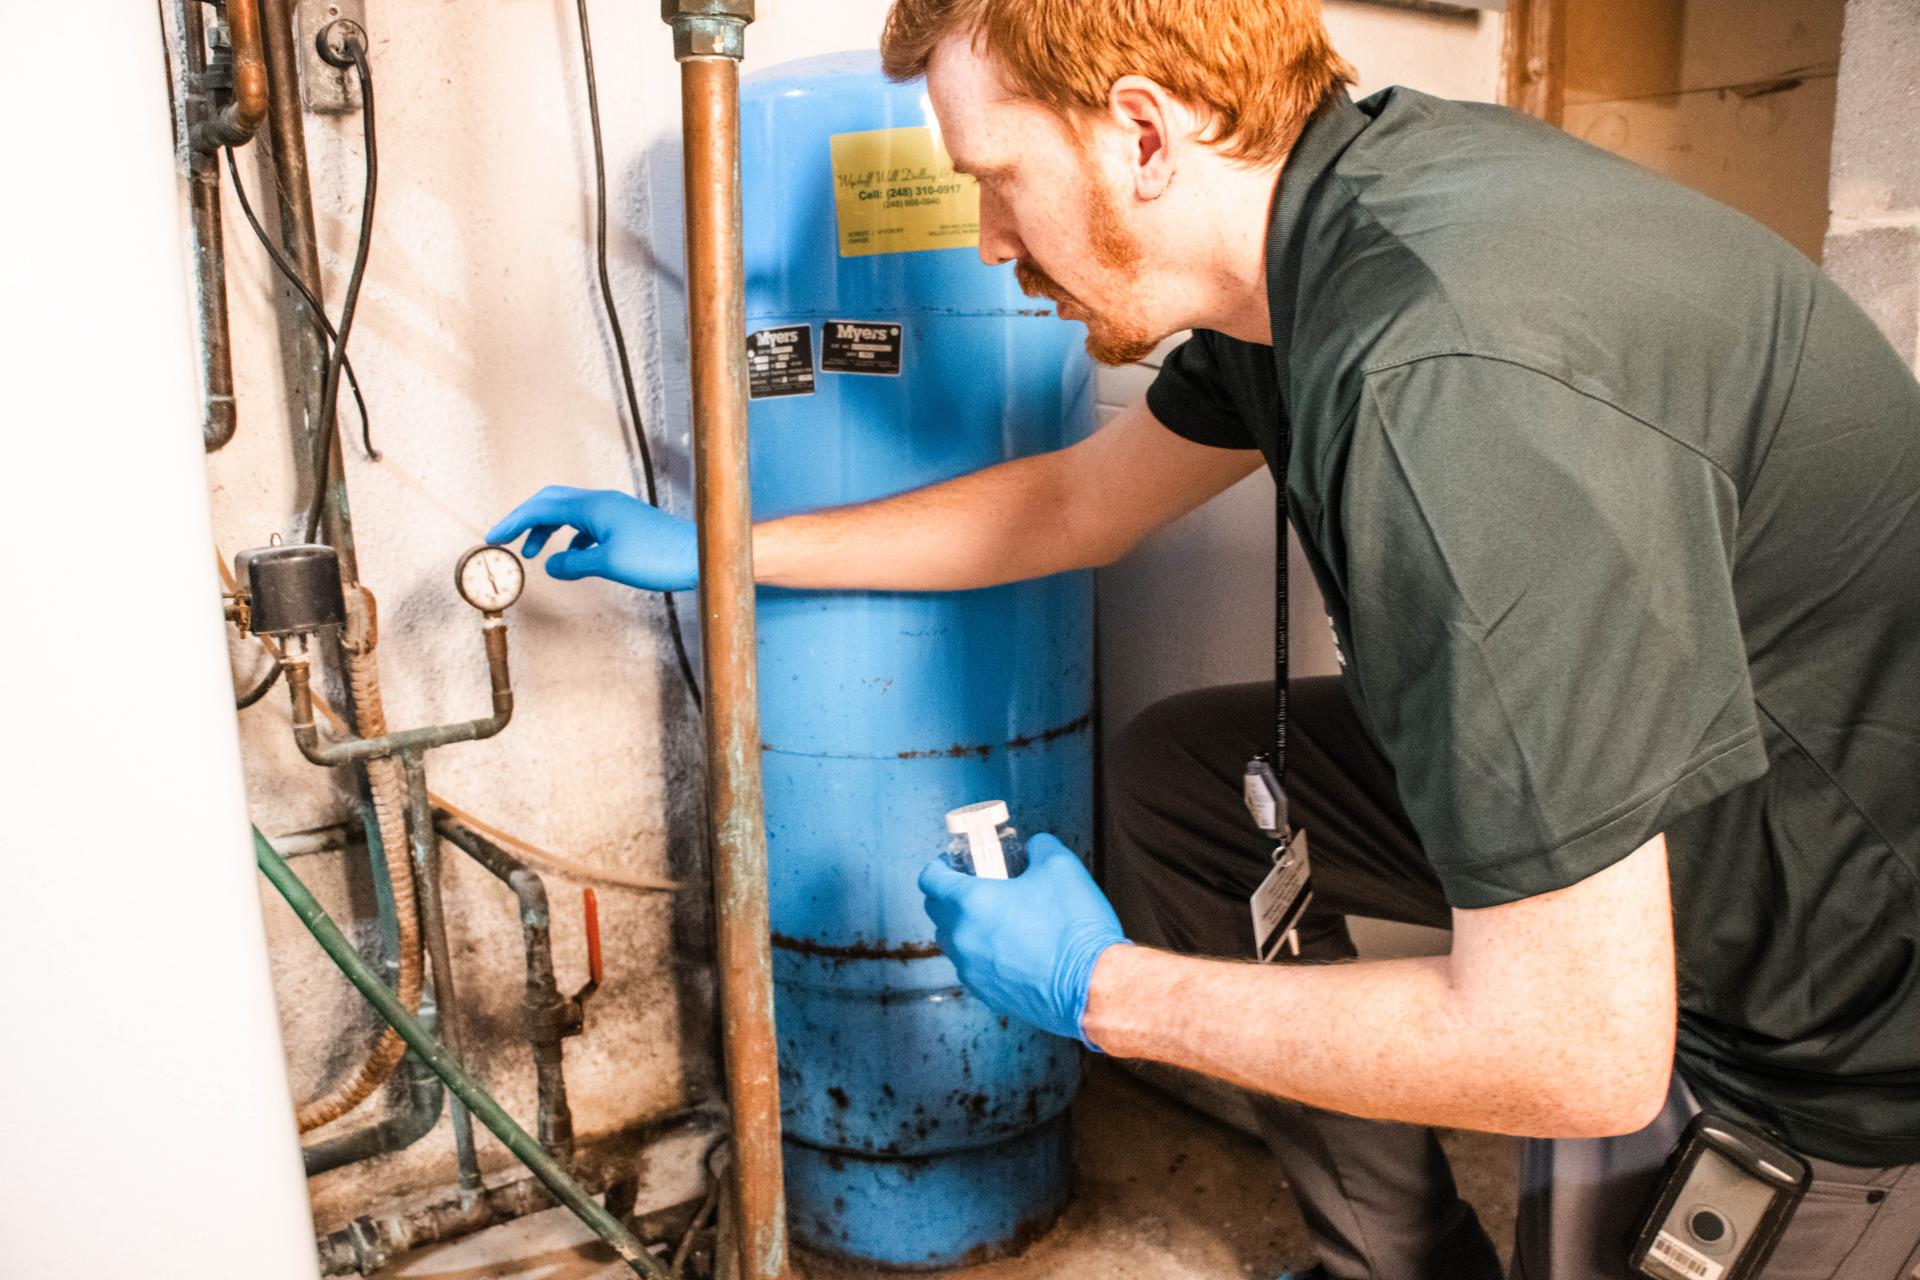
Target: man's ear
<point x="1156" y="127"/>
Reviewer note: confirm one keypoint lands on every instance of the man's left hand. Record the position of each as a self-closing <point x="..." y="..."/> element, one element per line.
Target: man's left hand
<point x="1025" y="946"/>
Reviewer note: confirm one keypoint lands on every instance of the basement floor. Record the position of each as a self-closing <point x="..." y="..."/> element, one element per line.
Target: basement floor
<point x="1163" y="1193"/>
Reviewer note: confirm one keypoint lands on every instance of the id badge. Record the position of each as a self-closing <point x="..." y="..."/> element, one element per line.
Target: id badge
<point x="1281" y="900"/>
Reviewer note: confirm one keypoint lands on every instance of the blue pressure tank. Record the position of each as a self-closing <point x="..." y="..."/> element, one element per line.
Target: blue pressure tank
<point x="922" y="1130"/>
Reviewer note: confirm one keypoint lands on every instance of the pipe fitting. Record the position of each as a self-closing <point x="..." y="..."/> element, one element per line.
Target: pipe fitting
<point x="708" y="28"/>
<point x="242" y="50"/>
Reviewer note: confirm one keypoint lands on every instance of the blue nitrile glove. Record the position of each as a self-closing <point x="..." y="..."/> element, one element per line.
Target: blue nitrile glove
<point x="617" y="536"/>
<point x="1025" y="946"/>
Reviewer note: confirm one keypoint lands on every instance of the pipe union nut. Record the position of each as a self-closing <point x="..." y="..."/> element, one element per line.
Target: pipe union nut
<point x="679" y="10"/>
<point x="709" y="38"/>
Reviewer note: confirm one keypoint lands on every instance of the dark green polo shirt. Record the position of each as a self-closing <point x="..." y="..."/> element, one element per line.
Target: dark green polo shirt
<point x="1615" y="503"/>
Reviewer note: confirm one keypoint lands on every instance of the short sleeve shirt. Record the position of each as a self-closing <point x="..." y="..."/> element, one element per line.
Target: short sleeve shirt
<point x="1615" y="503"/>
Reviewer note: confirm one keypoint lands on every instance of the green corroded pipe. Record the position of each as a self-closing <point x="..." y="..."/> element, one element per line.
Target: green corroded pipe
<point x="435" y="1055"/>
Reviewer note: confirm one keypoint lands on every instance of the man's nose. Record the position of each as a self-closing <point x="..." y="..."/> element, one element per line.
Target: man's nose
<point x="998" y="243"/>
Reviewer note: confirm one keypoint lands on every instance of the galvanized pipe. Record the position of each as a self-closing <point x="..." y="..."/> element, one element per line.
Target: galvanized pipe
<point x="405" y="742"/>
<point x="447" y="1067"/>
<point x="708" y="39"/>
<point x="433" y="919"/>
<point x="286" y="128"/>
<point x="548" y="1017"/>
<point x="209" y="241"/>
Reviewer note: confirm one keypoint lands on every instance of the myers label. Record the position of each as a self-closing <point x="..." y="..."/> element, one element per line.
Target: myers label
<point x="860" y="346"/>
<point x="780" y="362"/>
<point x="895" y="190"/>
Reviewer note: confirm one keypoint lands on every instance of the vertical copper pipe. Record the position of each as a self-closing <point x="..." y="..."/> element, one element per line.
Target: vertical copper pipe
<point x="286" y="127"/>
<point x="710" y="115"/>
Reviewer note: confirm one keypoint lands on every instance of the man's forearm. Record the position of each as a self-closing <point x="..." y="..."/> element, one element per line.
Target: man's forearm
<point x="1002" y="524"/>
<point x="1075" y="508"/>
<point x="1553" y="1017"/>
<point x="1385" y="1039"/>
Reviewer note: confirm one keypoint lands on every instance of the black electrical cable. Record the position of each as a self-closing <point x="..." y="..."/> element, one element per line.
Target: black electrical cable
<point x="314" y="307"/>
<point x="330" y="389"/>
<point x="260" y="690"/>
<point x="619" y="334"/>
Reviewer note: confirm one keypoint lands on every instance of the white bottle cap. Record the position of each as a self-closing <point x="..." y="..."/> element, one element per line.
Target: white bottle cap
<point x="979" y="823"/>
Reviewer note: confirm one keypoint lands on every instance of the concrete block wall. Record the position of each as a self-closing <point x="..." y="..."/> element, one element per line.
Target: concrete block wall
<point x="1873" y="240"/>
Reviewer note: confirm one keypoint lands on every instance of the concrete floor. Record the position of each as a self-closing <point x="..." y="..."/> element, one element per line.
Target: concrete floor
<point x="1163" y="1193"/>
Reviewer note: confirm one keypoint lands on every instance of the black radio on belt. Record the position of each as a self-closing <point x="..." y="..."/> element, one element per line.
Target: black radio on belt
<point x="1727" y="1195"/>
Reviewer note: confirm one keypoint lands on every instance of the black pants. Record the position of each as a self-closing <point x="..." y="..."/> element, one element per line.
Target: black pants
<point x="1184" y="859"/>
<point x="1378" y="1198"/>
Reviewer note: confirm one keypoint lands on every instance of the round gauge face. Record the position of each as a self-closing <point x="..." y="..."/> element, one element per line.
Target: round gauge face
<point x="490" y="578"/>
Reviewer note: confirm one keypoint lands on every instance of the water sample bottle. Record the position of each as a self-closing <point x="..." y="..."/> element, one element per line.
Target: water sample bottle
<point x="982" y="844"/>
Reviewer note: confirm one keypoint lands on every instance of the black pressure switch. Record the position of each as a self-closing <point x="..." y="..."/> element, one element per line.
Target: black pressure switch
<point x="292" y="589"/>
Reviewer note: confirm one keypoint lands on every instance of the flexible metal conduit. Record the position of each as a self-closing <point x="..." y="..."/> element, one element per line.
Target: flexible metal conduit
<point x="385" y="779"/>
<point x="517" y="1140"/>
<point x="709" y="39"/>
<point x="398" y="1130"/>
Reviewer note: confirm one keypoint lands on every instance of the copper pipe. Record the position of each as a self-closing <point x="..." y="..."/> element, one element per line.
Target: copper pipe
<point x="209" y="242"/>
<point x="286" y="129"/>
<point x="710" y="116"/>
<point x="235" y="124"/>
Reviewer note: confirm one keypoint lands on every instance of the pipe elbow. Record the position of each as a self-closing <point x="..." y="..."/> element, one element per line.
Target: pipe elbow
<point x="222" y="422"/>
<point x="307" y="738"/>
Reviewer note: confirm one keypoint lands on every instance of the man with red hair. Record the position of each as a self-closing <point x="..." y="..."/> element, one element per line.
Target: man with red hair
<point x="1611" y="496"/>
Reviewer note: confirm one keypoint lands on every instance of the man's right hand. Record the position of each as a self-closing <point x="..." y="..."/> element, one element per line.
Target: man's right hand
<point x="616" y="536"/>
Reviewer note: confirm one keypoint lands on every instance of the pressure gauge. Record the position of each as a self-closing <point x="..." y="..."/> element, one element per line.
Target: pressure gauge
<point x="490" y="578"/>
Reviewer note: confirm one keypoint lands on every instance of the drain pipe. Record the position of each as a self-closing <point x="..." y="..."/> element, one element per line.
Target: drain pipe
<point x="709" y="39"/>
<point x="209" y="242"/>
<point x="557" y="1180"/>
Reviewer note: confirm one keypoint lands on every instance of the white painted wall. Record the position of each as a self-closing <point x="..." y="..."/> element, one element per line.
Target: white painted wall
<point x="489" y="371"/>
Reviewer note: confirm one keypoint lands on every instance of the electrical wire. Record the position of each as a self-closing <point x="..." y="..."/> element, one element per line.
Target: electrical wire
<point x="260" y="690"/>
<point x="619" y="334"/>
<point x="314" y="306"/>
<point x="330" y="389"/>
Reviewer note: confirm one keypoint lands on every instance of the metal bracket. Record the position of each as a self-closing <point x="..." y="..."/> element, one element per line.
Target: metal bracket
<point x="325" y="90"/>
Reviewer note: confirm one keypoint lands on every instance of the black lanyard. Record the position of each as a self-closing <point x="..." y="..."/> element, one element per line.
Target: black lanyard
<point x="1284" y="448"/>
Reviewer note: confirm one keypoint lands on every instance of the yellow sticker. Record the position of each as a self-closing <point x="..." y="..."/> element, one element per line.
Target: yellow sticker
<point x="895" y="191"/>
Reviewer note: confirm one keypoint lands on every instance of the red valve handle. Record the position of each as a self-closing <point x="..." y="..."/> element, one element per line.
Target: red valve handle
<point x="591" y="907"/>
